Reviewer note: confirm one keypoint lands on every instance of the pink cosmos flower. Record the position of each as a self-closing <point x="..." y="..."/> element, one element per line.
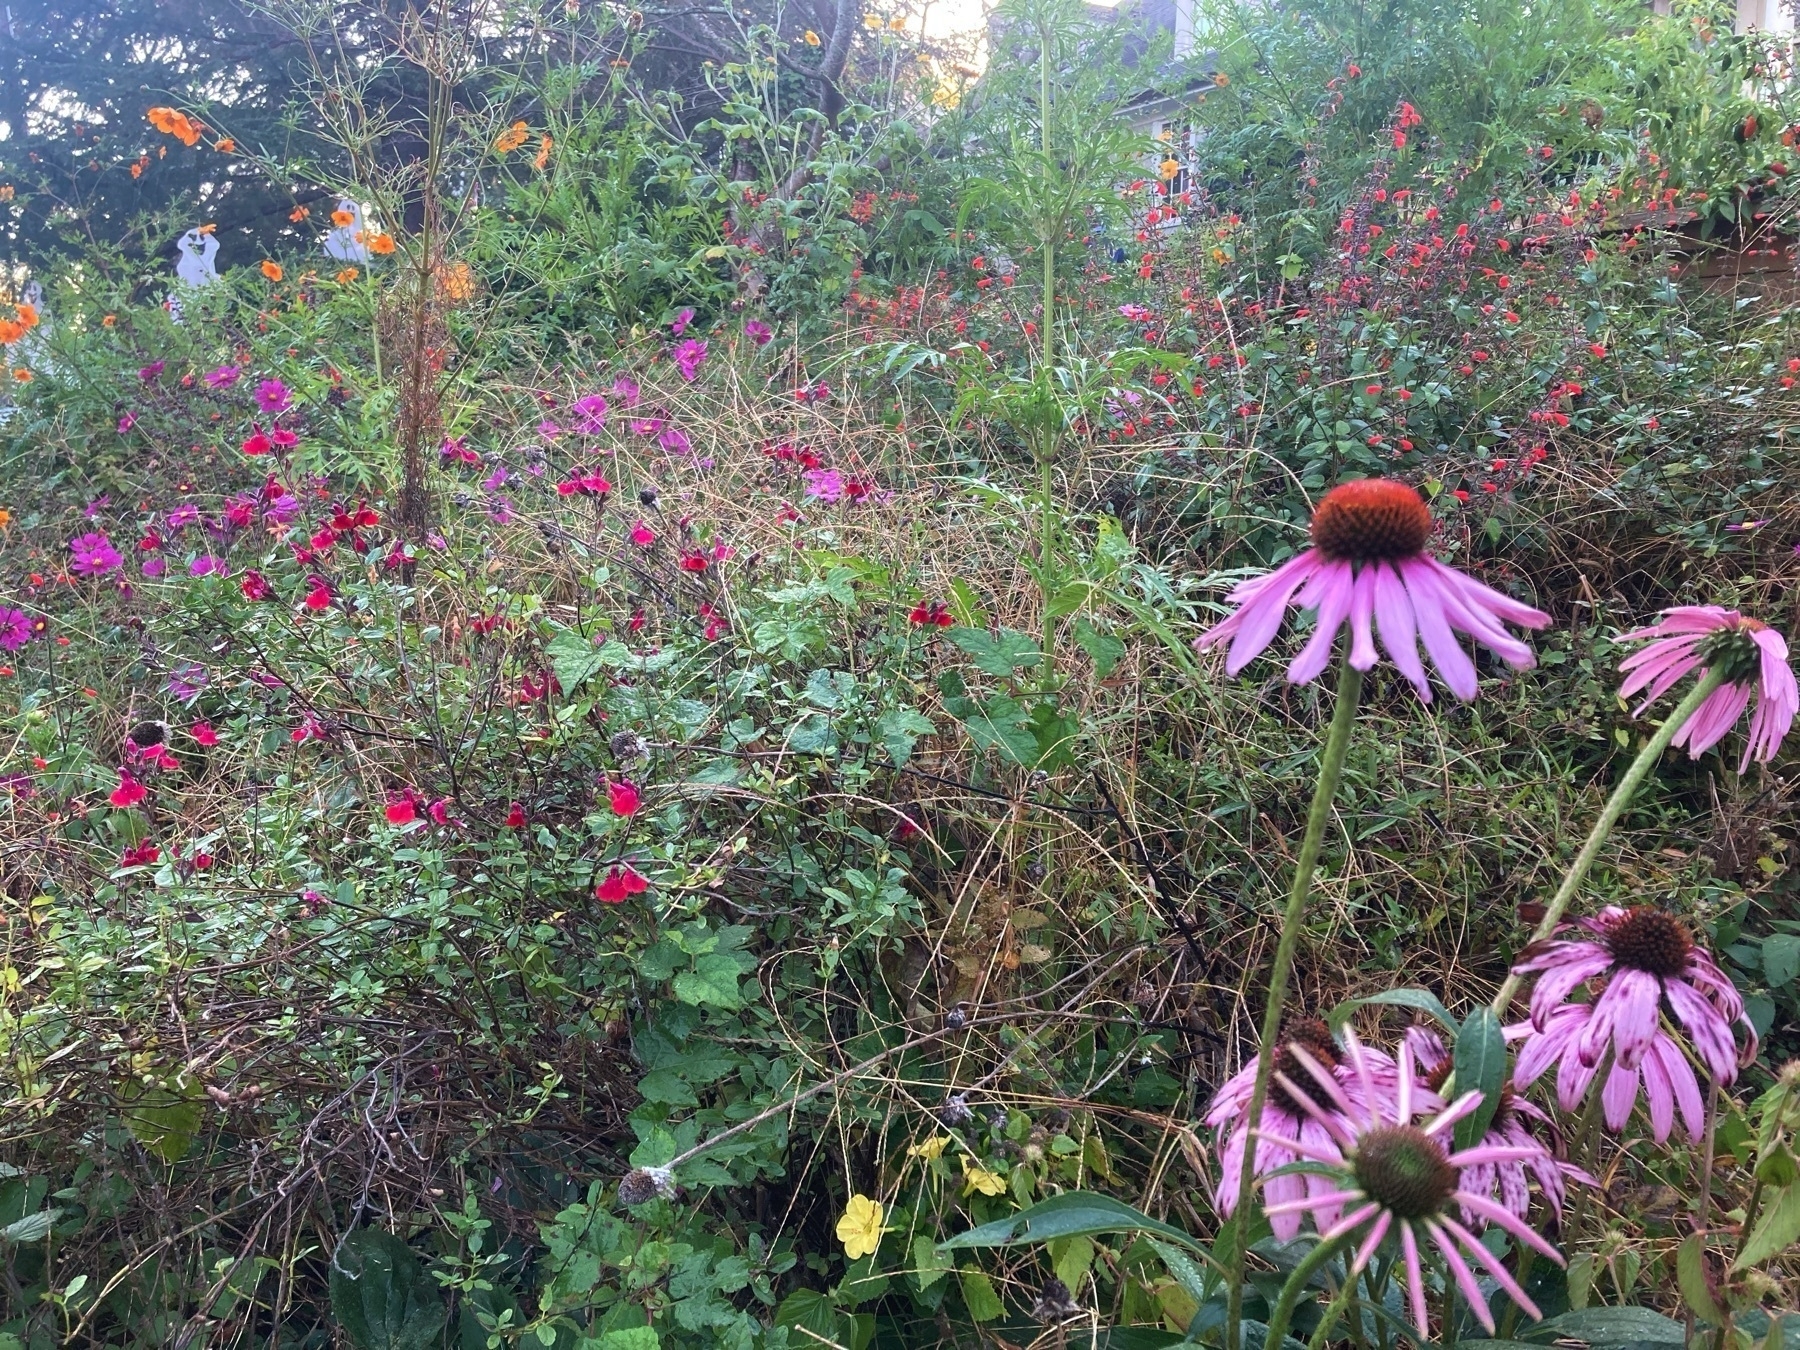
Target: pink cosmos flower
<point x="1286" y="1125"/>
<point x="649" y="426"/>
<point x="1368" y="566"/>
<point x="15" y="629"/>
<point x="127" y="422"/>
<point x="1402" y="1178"/>
<point x="683" y="317"/>
<point x="626" y="390"/>
<point x="222" y="378"/>
<point x="675" y="441"/>
<point x="1647" y="963"/>
<point x="272" y="397"/>
<point x="1513" y="1126"/>
<point x="590" y="414"/>
<point x="689" y="357"/>
<point x="825" y="485"/>
<point x="758" y="332"/>
<point x="1694" y="638"/>
<point x="94" y="555"/>
<point x="149" y="373"/>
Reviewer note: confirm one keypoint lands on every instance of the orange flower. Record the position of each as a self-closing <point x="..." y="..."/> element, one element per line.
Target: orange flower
<point x="6" y="193"/>
<point x="457" y="281"/>
<point x="543" y="155"/>
<point x="512" y="138"/>
<point x="225" y="145"/>
<point x="343" y="219"/>
<point x="22" y="375"/>
<point x="382" y="244"/>
<point x="10" y="332"/>
<point x="300" y="213"/>
<point x="109" y="321"/>
<point x="271" y="270"/>
<point x="176" y="124"/>
<point x="28" y="315"/>
<point x="345" y="277"/>
<point x="137" y="170"/>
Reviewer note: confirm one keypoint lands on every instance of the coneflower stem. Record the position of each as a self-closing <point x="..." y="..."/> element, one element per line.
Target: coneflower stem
<point x="1331" y="767"/>
<point x="1615" y="807"/>
<point x="1296" y="1286"/>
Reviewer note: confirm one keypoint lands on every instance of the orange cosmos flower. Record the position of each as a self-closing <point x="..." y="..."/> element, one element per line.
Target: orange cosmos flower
<point x="343" y="219"/>
<point x="22" y="375"/>
<point x="543" y="155"/>
<point x="271" y="270"/>
<point x="512" y="138"/>
<point x="225" y="145"/>
<point x="300" y="213"/>
<point x="345" y="277"/>
<point x="382" y="244"/>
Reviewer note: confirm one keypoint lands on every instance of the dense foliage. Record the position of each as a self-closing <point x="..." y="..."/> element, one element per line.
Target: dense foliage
<point x="620" y="760"/>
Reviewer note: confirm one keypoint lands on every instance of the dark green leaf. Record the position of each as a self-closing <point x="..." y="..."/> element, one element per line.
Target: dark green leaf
<point x="381" y="1295"/>
<point x="1480" y="1066"/>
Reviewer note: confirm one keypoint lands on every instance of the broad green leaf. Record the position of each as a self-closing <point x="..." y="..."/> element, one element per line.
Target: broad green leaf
<point x="1480" y="1063"/>
<point x="1102" y="648"/>
<point x="812" y="1311"/>
<point x="1776" y="1231"/>
<point x="713" y="980"/>
<point x="381" y="1295"/>
<point x="631" y="1338"/>
<point x="1690" y="1277"/>
<point x="1607" y="1327"/>
<point x="162" y="1120"/>
<point x="1780" y="959"/>
<point x="573" y="657"/>
<point x="899" y="730"/>
<point x="1072" y="1214"/>
<point x="997" y="654"/>
<point x="929" y="1264"/>
<point x="31" y="1228"/>
<point x="978" y="1293"/>
<point x="1068" y="599"/>
<point x="1422" y="1000"/>
<point x="1070" y="1258"/>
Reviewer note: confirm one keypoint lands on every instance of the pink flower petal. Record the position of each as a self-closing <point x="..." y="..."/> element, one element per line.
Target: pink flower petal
<point x="1452" y="662"/>
<point x="1336" y="582"/>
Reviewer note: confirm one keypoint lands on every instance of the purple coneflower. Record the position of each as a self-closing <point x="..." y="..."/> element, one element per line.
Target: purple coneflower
<point x="1647" y="961"/>
<point x="1753" y="657"/>
<point x="1368" y="566"/>
<point x="1512" y="1126"/>
<point x="94" y="555"/>
<point x="1403" y="1179"/>
<point x="1288" y="1132"/>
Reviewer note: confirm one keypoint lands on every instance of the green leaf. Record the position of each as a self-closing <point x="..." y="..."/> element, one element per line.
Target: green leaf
<point x="163" y="1121"/>
<point x="1780" y="958"/>
<point x="381" y="1295"/>
<point x="996" y="654"/>
<point x="631" y="1338"/>
<point x="899" y="730"/>
<point x="1072" y="1261"/>
<point x="1102" y="648"/>
<point x="31" y="1228"/>
<point x="1690" y="1276"/>
<point x="714" y="979"/>
<point x="1776" y="1231"/>
<point x="809" y="1310"/>
<point x="929" y="1264"/>
<point x="573" y="657"/>
<point x="1480" y="1065"/>
<point x="1421" y="1000"/>
<point x="1068" y="599"/>
<point x="978" y="1293"/>
<point x="1607" y="1327"/>
<point x="1071" y="1214"/>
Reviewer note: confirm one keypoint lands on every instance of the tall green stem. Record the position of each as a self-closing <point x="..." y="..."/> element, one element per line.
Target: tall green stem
<point x="1331" y="768"/>
<point x="1296" y="1286"/>
<point x="1615" y="807"/>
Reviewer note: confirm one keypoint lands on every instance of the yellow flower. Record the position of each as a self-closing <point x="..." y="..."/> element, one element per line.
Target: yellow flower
<point x="512" y="138"/>
<point x="860" y="1229"/>
<point x="812" y="38"/>
<point x="1169" y="168"/>
<point x="871" y="21"/>
<point x="931" y="1150"/>
<point x="271" y="270"/>
<point x="898" y="23"/>
<point x="978" y="1178"/>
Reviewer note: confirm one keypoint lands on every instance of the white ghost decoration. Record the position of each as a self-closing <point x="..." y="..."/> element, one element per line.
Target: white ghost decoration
<point x="198" y="250"/>
<point x="345" y="242"/>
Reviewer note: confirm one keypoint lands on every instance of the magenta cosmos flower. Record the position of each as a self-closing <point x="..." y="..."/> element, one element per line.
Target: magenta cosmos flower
<point x="15" y="629"/>
<point x="1755" y="659"/>
<point x="94" y="555"/>
<point x="1288" y="1132"/>
<point x="1515" y="1125"/>
<point x="1402" y="1179"/>
<point x="1368" y="566"/>
<point x="1645" y="964"/>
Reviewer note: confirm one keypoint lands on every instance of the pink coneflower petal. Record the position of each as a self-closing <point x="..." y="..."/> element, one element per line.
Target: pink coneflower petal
<point x="1509" y="1223"/>
<point x="1335" y="584"/>
<point x="1619" y="1095"/>
<point x="1710" y="1032"/>
<point x="1480" y="598"/>
<point x="1372" y="1243"/>
<point x="1465" y="605"/>
<point x="1712" y="719"/>
<point x="1326" y="1080"/>
<point x="1415" y="1278"/>
<point x="1459" y="1108"/>
<point x="1350" y="1222"/>
<point x="1452" y="662"/>
<point x="1326" y="1119"/>
<point x="1572" y="965"/>
<point x="1262" y="603"/>
<point x="1465" y="1278"/>
<point x="1674" y="1068"/>
<point x="1339" y="1197"/>
<point x="1659" y="1096"/>
<point x="1625" y="1015"/>
<point x="1684" y="619"/>
<point x="1495" y="1267"/>
<point x="1362" y="616"/>
<point x="1399" y="633"/>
